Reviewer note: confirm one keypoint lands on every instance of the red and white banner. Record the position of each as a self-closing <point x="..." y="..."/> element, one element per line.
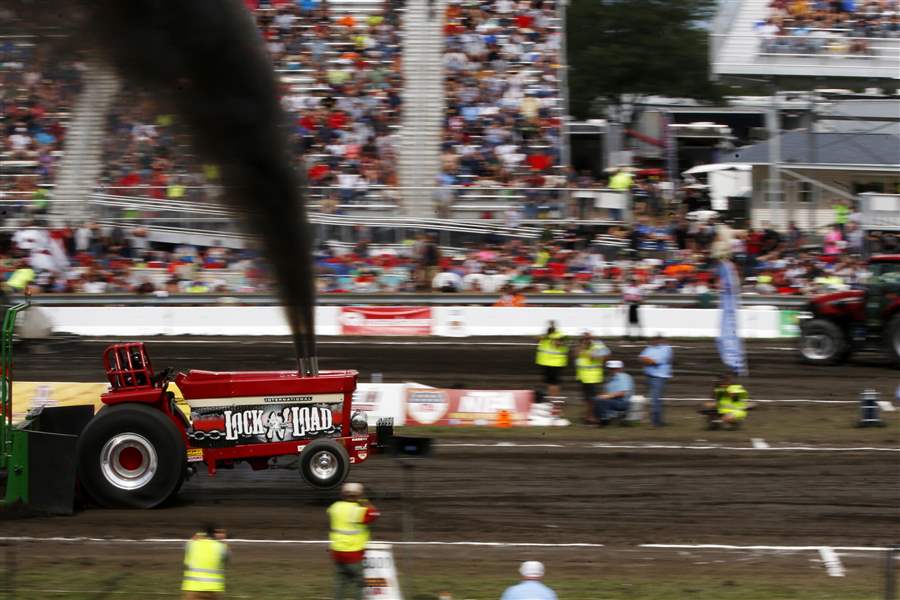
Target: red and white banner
<point x="385" y="320"/>
<point x="432" y="406"/>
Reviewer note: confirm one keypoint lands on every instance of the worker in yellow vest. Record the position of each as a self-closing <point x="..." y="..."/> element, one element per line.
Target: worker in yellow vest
<point x="205" y="556"/>
<point x="729" y="406"/>
<point x="552" y="356"/>
<point x="21" y="278"/>
<point x="589" y="357"/>
<point x="350" y="518"/>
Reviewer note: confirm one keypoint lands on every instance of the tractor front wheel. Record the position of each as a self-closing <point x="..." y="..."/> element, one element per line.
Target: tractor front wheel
<point x="324" y="464"/>
<point x="822" y="343"/>
<point x="131" y="456"/>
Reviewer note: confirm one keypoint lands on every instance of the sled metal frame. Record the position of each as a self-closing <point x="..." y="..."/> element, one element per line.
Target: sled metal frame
<point x="6" y="381"/>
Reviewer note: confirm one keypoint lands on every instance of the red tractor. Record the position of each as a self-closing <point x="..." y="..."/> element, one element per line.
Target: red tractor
<point x="138" y="449"/>
<point x="837" y="324"/>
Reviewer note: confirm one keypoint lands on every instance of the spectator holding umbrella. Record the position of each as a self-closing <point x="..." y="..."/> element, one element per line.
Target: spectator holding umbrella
<point x="657" y="358"/>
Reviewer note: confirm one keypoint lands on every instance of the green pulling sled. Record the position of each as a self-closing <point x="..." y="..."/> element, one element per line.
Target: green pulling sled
<point x="37" y="456"/>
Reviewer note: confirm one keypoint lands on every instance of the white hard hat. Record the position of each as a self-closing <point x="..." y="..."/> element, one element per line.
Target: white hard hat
<point x="532" y="569"/>
<point x="614" y="364"/>
<point x="352" y="489"/>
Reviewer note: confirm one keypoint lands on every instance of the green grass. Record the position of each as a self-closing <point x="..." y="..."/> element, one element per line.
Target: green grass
<point x="299" y="583"/>
<point x="92" y="572"/>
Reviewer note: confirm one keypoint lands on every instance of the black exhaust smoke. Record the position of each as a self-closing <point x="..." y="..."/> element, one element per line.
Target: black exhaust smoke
<point x="206" y="58"/>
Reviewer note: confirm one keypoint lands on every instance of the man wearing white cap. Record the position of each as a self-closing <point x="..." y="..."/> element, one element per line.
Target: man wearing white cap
<point x="617" y="392"/>
<point x="350" y="518"/>
<point x="530" y="588"/>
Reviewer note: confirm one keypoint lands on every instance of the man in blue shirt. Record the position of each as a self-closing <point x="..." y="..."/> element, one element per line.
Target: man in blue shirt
<point x="657" y="359"/>
<point x="617" y="392"/>
<point x="531" y="587"/>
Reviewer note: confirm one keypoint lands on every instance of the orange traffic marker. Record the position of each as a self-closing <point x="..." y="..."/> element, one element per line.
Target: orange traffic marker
<point x="504" y="420"/>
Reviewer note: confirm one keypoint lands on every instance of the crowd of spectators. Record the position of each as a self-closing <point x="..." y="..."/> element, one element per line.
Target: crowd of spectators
<point x="37" y="92"/>
<point x="92" y="259"/>
<point x="341" y="87"/>
<point x="828" y="26"/>
<point x="658" y="255"/>
<point x="502" y="123"/>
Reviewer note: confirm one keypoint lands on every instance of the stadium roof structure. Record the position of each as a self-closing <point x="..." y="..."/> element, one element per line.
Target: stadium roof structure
<point x="804" y="149"/>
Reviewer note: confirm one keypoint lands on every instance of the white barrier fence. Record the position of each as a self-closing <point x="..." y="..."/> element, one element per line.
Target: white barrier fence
<point x="449" y="321"/>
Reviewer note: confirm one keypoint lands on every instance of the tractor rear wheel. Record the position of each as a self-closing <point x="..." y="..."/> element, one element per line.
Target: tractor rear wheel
<point x="131" y="456"/>
<point x="324" y="464"/>
<point x="823" y="343"/>
<point x="892" y="339"/>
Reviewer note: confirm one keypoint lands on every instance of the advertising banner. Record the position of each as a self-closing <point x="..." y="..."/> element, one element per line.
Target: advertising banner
<point x="28" y="395"/>
<point x="385" y="320"/>
<point x="380" y="573"/>
<point x="466" y="407"/>
<point x="223" y="422"/>
<point x="789" y="325"/>
<point x="731" y="348"/>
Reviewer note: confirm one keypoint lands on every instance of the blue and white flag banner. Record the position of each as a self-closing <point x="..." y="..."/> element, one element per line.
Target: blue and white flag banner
<point x="731" y="348"/>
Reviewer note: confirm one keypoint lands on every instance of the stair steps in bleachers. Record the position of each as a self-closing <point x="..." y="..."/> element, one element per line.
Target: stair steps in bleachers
<point x="423" y="104"/>
<point x="82" y="160"/>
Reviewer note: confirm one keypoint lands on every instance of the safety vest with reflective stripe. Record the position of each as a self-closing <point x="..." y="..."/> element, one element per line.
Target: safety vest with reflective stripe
<point x="20" y="278"/>
<point x="552" y="353"/>
<point x="732" y="400"/>
<point x="348" y="532"/>
<point x="204" y="566"/>
<point x="589" y="369"/>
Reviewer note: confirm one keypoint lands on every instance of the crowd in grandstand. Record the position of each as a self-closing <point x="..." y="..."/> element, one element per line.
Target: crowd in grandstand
<point x="828" y="26"/>
<point x="502" y="125"/>
<point x="660" y="256"/>
<point x="37" y="91"/>
<point x="341" y="88"/>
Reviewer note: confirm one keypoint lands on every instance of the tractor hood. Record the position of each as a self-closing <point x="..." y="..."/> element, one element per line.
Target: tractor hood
<point x="836" y="303"/>
<point x="266" y="386"/>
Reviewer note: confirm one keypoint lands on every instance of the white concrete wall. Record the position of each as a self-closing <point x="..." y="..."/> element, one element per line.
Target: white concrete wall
<point x="462" y="321"/>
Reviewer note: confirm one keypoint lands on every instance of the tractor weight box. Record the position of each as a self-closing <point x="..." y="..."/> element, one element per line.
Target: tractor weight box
<point x="138" y="449"/>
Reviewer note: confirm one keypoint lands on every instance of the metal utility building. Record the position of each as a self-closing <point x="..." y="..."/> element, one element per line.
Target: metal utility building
<point x="814" y="170"/>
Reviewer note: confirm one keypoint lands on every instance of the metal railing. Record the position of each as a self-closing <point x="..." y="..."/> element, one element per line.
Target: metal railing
<point x="404" y="299"/>
<point x="378" y="208"/>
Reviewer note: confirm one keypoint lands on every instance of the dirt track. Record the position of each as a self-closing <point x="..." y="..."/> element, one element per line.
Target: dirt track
<point x="568" y="494"/>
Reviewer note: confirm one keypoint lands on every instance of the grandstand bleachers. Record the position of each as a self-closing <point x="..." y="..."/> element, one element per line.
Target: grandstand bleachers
<point x="847" y="39"/>
<point x="37" y="92"/>
<point x="504" y="104"/>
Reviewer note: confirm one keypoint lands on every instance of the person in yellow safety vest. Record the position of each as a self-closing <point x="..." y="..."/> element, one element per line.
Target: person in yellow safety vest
<point x="730" y="404"/>
<point x="350" y="518"/>
<point x="205" y="556"/>
<point x="622" y="180"/>
<point x="553" y="356"/>
<point x="589" y="357"/>
<point x="841" y="213"/>
<point x="21" y="278"/>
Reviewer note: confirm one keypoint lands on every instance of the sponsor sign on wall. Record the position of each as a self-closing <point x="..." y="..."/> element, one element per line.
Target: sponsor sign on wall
<point x="385" y="320"/>
<point x="466" y="407"/>
<point x="789" y="324"/>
